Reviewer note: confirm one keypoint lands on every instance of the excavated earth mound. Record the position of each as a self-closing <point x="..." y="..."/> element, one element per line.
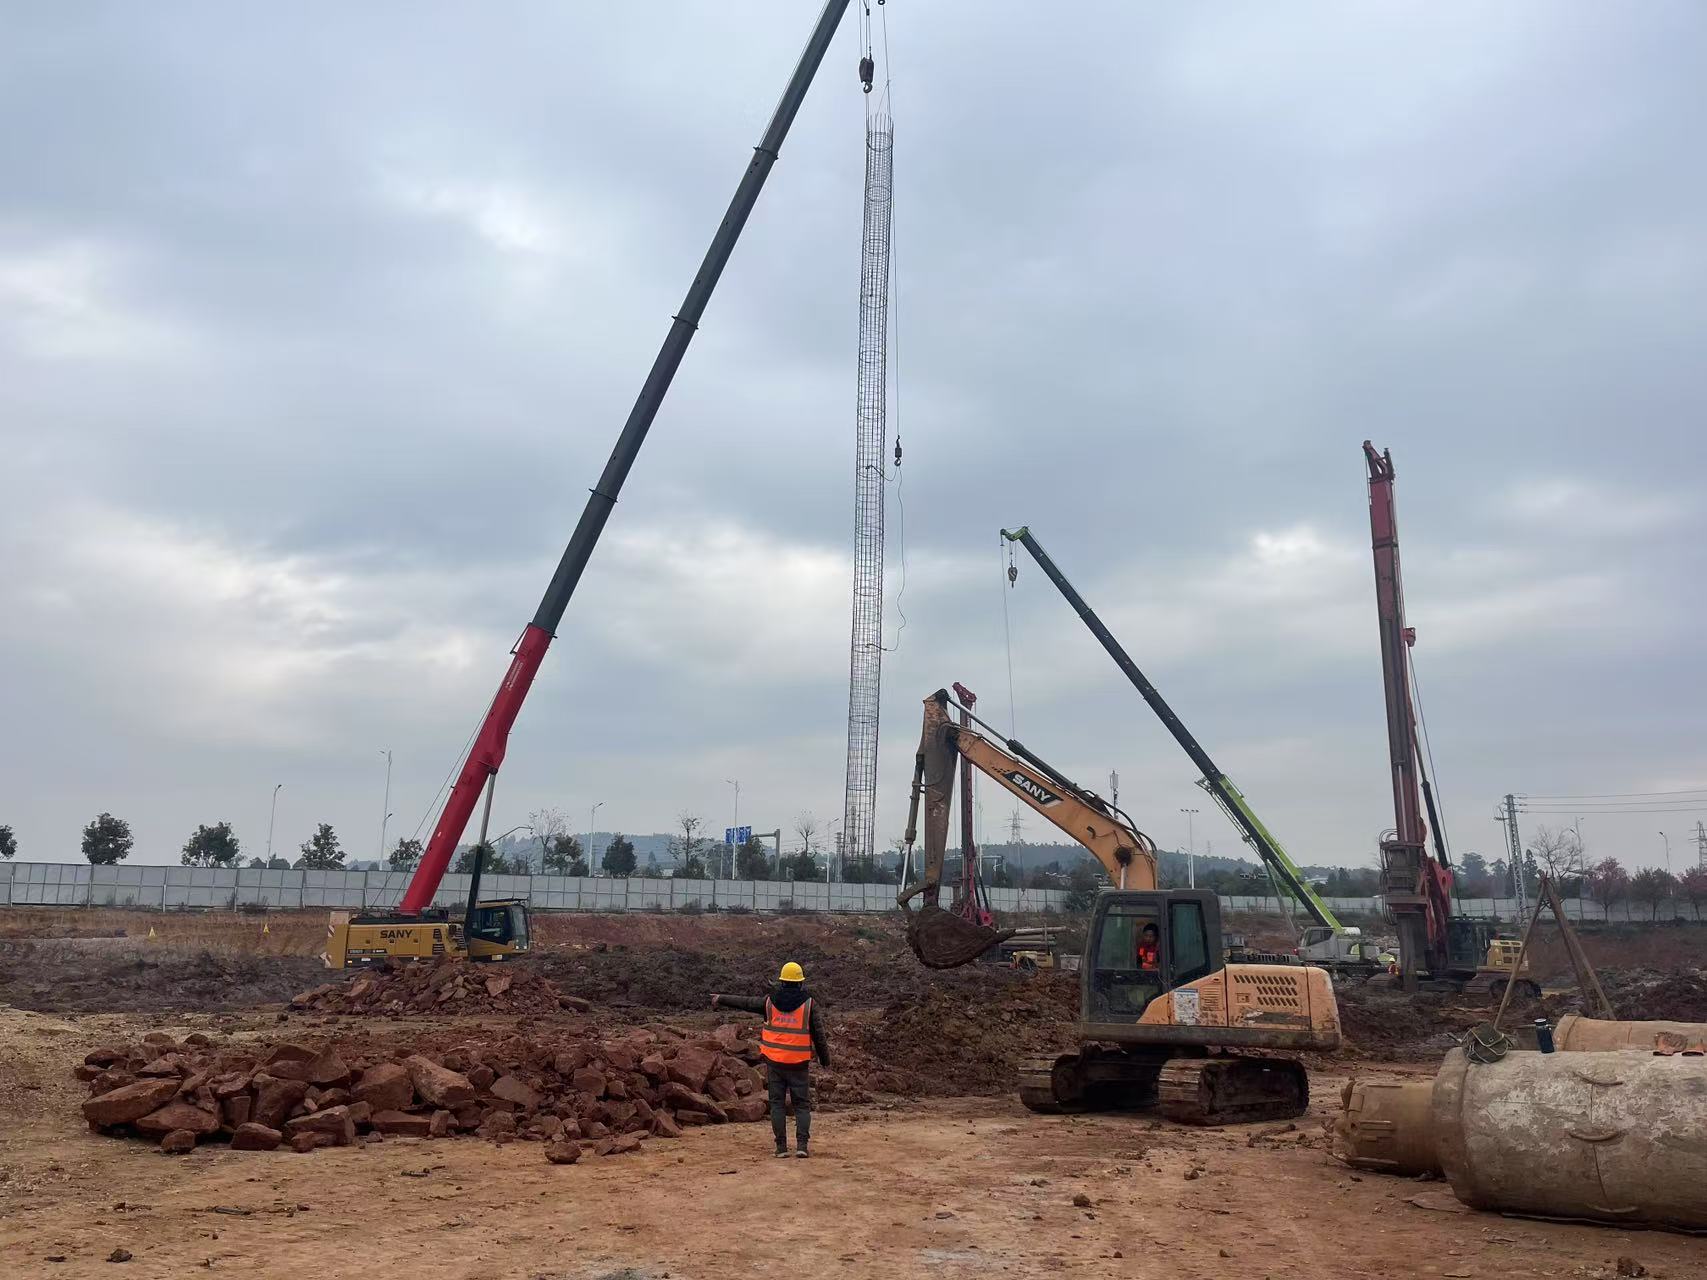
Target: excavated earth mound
<point x="446" y="986"/>
<point x="127" y="974"/>
<point x="950" y="1042"/>
<point x="1642" y="994"/>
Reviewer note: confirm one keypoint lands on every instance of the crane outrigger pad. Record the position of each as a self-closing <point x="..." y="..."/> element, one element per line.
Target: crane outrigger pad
<point x="943" y="940"/>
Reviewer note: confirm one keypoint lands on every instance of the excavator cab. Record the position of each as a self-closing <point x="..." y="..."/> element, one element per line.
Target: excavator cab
<point x="497" y="929"/>
<point x="1142" y="944"/>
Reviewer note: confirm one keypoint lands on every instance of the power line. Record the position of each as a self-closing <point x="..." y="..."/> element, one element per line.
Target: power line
<point x="1579" y="811"/>
<point x="1615" y="795"/>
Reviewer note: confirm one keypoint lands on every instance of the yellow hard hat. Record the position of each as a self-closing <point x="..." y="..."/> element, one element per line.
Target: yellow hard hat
<point x="792" y="972"/>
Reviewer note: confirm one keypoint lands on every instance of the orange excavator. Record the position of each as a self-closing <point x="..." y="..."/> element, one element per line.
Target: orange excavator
<point x="1163" y="1019"/>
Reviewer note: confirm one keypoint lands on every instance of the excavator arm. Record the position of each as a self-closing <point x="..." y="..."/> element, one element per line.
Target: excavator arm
<point x="943" y="940"/>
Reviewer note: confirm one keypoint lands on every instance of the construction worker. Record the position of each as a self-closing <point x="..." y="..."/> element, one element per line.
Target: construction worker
<point x="793" y="1034"/>
<point x="1149" y="947"/>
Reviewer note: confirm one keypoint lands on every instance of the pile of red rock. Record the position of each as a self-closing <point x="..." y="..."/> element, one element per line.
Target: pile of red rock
<point x="569" y="1091"/>
<point x="402" y="988"/>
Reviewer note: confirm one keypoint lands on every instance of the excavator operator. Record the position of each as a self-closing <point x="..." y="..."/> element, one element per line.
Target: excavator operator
<point x="1149" y="947"/>
<point x="793" y="1035"/>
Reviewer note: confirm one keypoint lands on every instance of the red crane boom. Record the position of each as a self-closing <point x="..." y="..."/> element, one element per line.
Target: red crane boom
<point x="489" y="745"/>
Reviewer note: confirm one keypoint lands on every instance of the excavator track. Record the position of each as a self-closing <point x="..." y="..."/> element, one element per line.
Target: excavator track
<point x="1037" y="1086"/>
<point x="1233" y="1090"/>
<point x="1088" y="1081"/>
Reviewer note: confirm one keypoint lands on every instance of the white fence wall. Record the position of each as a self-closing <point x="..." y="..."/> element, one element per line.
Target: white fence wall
<point x="1493" y="908"/>
<point x="76" y="885"/>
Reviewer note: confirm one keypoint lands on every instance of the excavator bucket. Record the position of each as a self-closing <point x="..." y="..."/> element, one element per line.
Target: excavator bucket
<point x="943" y="940"/>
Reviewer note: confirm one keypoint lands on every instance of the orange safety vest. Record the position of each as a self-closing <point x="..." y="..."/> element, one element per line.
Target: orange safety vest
<point x="787" y="1037"/>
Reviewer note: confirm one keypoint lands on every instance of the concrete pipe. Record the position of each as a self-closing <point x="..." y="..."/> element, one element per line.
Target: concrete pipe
<point x="1608" y="1137"/>
<point x="1385" y="1125"/>
<point x="1577" y="1034"/>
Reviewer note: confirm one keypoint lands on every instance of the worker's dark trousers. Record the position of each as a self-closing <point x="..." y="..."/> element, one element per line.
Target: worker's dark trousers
<point x="796" y="1083"/>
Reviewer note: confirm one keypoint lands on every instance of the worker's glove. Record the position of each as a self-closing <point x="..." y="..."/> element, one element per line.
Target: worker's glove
<point x="714" y="1000"/>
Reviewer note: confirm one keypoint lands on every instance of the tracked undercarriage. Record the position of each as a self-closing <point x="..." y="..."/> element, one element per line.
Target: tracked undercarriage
<point x="1207" y="1089"/>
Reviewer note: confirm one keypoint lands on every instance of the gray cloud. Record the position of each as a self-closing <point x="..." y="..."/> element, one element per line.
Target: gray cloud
<point x="316" y="325"/>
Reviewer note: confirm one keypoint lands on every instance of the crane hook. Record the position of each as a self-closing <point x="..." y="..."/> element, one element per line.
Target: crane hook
<point x="897" y="451"/>
<point x="867" y="69"/>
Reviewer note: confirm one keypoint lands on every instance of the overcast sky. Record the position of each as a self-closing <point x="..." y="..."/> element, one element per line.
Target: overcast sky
<point x="317" y="322"/>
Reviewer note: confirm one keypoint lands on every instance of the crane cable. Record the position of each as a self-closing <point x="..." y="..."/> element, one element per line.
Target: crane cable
<point x="1428" y="754"/>
<point x="1010" y="573"/>
<point x="867" y="67"/>
<point x="867" y="71"/>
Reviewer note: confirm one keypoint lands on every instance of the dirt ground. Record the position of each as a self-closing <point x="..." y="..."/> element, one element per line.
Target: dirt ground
<point x="957" y="1179"/>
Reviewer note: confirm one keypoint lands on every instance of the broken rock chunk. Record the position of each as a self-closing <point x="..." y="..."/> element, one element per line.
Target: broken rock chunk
<point x="177" y="1115"/>
<point x="438" y="1085"/>
<point x="385" y="1087"/>
<point x="562" y="1151"/>
<point x="255" y="1137"/>
<point x="129" y="1102"/>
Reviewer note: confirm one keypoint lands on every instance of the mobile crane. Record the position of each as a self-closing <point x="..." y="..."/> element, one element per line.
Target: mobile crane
<point x="1163" y="1018"/>
<point x="415" y="927"/>
<point x="1326" y="942"/>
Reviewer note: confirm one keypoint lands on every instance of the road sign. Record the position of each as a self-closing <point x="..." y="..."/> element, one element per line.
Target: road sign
<point x="737" y="835"/>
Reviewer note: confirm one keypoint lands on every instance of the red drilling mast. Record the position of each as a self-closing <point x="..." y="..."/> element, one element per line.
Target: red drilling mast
<point x="1417" y="887"/>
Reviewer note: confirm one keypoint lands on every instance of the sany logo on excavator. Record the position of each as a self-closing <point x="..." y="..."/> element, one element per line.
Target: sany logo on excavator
<point x="1032" y="787"/>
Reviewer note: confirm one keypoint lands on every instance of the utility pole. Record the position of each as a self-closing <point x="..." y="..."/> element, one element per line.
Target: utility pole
<point x="1701" y="846"/>
<point x="592" y="817"/>
<point x="1514" y="854"/>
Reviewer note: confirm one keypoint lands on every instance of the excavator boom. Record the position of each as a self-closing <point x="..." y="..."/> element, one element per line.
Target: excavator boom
<point x="944" y="940"/>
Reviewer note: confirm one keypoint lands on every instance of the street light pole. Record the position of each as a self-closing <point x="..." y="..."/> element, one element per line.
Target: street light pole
<point x="1190" y="846"/>
<point x="386" y="807"/>
<point x="592" y="816"/>
<point x="1667" y="839"/>
<point x="736" y="824"/>
<point x="270" y="816"/>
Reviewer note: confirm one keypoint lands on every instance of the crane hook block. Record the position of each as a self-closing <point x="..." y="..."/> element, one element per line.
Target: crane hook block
<point x="1013" y="574"/>
<point x="867" y="69"/>
<point x="897" y="450"/>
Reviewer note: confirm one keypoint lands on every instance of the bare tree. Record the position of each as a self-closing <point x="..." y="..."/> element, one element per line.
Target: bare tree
<point x="806" y="827"/>
<point x="686" y="847"/>
<point x="1559" y="851"/>
<point x="548" y="825"/>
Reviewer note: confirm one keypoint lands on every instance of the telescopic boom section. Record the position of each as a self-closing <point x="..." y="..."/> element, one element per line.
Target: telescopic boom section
<point x="1218" y="784"/>
<point x="489" y="745"/>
